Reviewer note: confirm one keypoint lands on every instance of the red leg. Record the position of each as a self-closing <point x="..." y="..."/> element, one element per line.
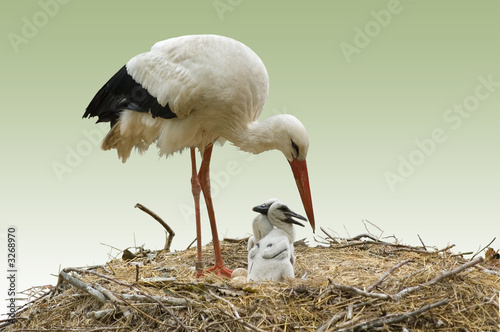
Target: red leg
<point x="204" y="178"/>
<point x="196" y="189"/>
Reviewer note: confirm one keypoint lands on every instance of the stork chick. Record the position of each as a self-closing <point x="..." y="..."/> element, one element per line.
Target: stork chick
<point x="272" y="258"/>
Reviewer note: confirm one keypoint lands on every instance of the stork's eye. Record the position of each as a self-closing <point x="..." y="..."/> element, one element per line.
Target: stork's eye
<point x="296" y="148"/>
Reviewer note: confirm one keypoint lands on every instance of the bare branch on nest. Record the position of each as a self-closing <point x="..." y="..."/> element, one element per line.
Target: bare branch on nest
<point x="423" y="244"/>
<point x="408" y="290"/>
<point x="388" y="273"/>
<point x="488" y="271"/>
<point x="329" y="235"/>
<point x="392" y="319"/>
<point x="358" y="291"/>
<point x="486" y="246"/>
<point x="83" y="286"/>
<point x="65" y="271"/>
<point x="440" y="277"/>
<point x="336" y="318"/>
<point x="167" y="299"/>
<point x="189" y="246"/>
<point x="168" y="229"/>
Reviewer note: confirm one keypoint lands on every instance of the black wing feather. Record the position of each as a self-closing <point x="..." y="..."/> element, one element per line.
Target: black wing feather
<point x="120" y="93"/>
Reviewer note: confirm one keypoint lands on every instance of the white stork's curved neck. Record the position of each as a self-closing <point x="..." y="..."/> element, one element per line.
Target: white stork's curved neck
<point x="276" y="132"/>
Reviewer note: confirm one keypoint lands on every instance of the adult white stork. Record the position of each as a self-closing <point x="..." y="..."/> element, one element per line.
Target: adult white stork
<point x="189" y="92"/>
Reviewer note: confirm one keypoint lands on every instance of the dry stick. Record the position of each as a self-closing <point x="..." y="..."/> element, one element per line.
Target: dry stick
<point x="391" y="319"/>
<point x="406" y="291"/>
<point x="329" y="235"/>
<point x="425" y="251"/>
<point x="169" y="230"/>
<point x="440" y="277"/>
<point x="339" y="316"/>
<point x="236" y="314"/>
<point x="477" y="253"/>
<point x="423" y="244"/>
<point x="69" y="269"/>
<point x="189" y="246"/>
<point x="391" y="270"/>
<point x="170" y="300"/>
<point x="83" y="286"/>
<point x="488" y="271"/>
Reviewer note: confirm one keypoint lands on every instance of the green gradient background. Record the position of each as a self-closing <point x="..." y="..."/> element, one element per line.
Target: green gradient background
<point x="361" y="116"/>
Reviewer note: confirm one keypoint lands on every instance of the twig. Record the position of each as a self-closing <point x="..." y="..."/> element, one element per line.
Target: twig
<point x="360" y="291"/>
<point x="406" y="291"/>
<point x="392" y="269"/>
<point x="367" y="221"/>
<point x="360" y="236"/>
<point x="477" y="253"/>
<point x="438" y="278"/>
<point x="169" y="230"/>
<point x="167" y="299"/>
<point x="488" y="271"/>
<point x="69" y="269"/>
<point x="329" y="235"/>
<point x="336" y="318"/>
<point x="189" y="246"/>
<point x="391" y="319"/>
<point x="423" y="244"/>
<point x="83" y="286"/>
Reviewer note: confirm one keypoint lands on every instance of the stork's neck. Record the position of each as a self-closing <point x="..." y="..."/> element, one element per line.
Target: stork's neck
<point x="287" y="228"/>
<point x="260" y="136"/>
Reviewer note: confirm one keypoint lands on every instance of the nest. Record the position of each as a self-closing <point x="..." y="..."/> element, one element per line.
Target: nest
<point x="354" y="284"/>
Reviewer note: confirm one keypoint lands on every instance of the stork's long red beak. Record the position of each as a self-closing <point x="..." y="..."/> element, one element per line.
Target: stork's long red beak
<point x="299" y="169"/>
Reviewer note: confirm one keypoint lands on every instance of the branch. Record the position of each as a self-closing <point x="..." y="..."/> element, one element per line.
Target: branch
<point x="392" y="269"/>
<point x="391" y="319"/>
<point x="83" y="286"/>
<point x="406" y="291"/>
<point x="479" y="251"/>
<point x="132" y="287"/>
<point x="169" y="230"/>
<point x="440" y="277"/>
<point x="361" y="292"/>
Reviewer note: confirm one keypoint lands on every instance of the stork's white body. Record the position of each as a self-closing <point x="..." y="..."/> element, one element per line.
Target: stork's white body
<point x="205" y="81"/>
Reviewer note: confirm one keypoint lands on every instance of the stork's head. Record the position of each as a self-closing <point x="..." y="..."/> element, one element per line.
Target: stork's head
<point x="294" y="143"/>
<point x="279" y="214"/>
<point x="264" y="207"/>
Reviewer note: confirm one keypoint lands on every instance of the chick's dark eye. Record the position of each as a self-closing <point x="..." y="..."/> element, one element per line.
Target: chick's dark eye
<point x="295" y="147"/>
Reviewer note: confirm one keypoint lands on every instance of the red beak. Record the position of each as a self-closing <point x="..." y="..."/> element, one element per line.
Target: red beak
<point x="299" y="169"/>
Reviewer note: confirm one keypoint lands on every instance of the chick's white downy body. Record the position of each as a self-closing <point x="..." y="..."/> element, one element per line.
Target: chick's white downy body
<point x="272" y="257"/>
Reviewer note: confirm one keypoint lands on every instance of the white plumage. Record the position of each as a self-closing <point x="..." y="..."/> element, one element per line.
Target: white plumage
<point x="189" y="92"/>
<point x="272" y="257"/>
<point x="261" y="226"/>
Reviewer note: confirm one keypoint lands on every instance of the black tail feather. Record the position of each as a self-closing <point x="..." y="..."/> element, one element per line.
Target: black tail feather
<point x="120" y="93"/>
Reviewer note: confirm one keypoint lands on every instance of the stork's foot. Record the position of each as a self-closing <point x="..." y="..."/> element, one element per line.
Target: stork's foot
<point x="220" y="270"/>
